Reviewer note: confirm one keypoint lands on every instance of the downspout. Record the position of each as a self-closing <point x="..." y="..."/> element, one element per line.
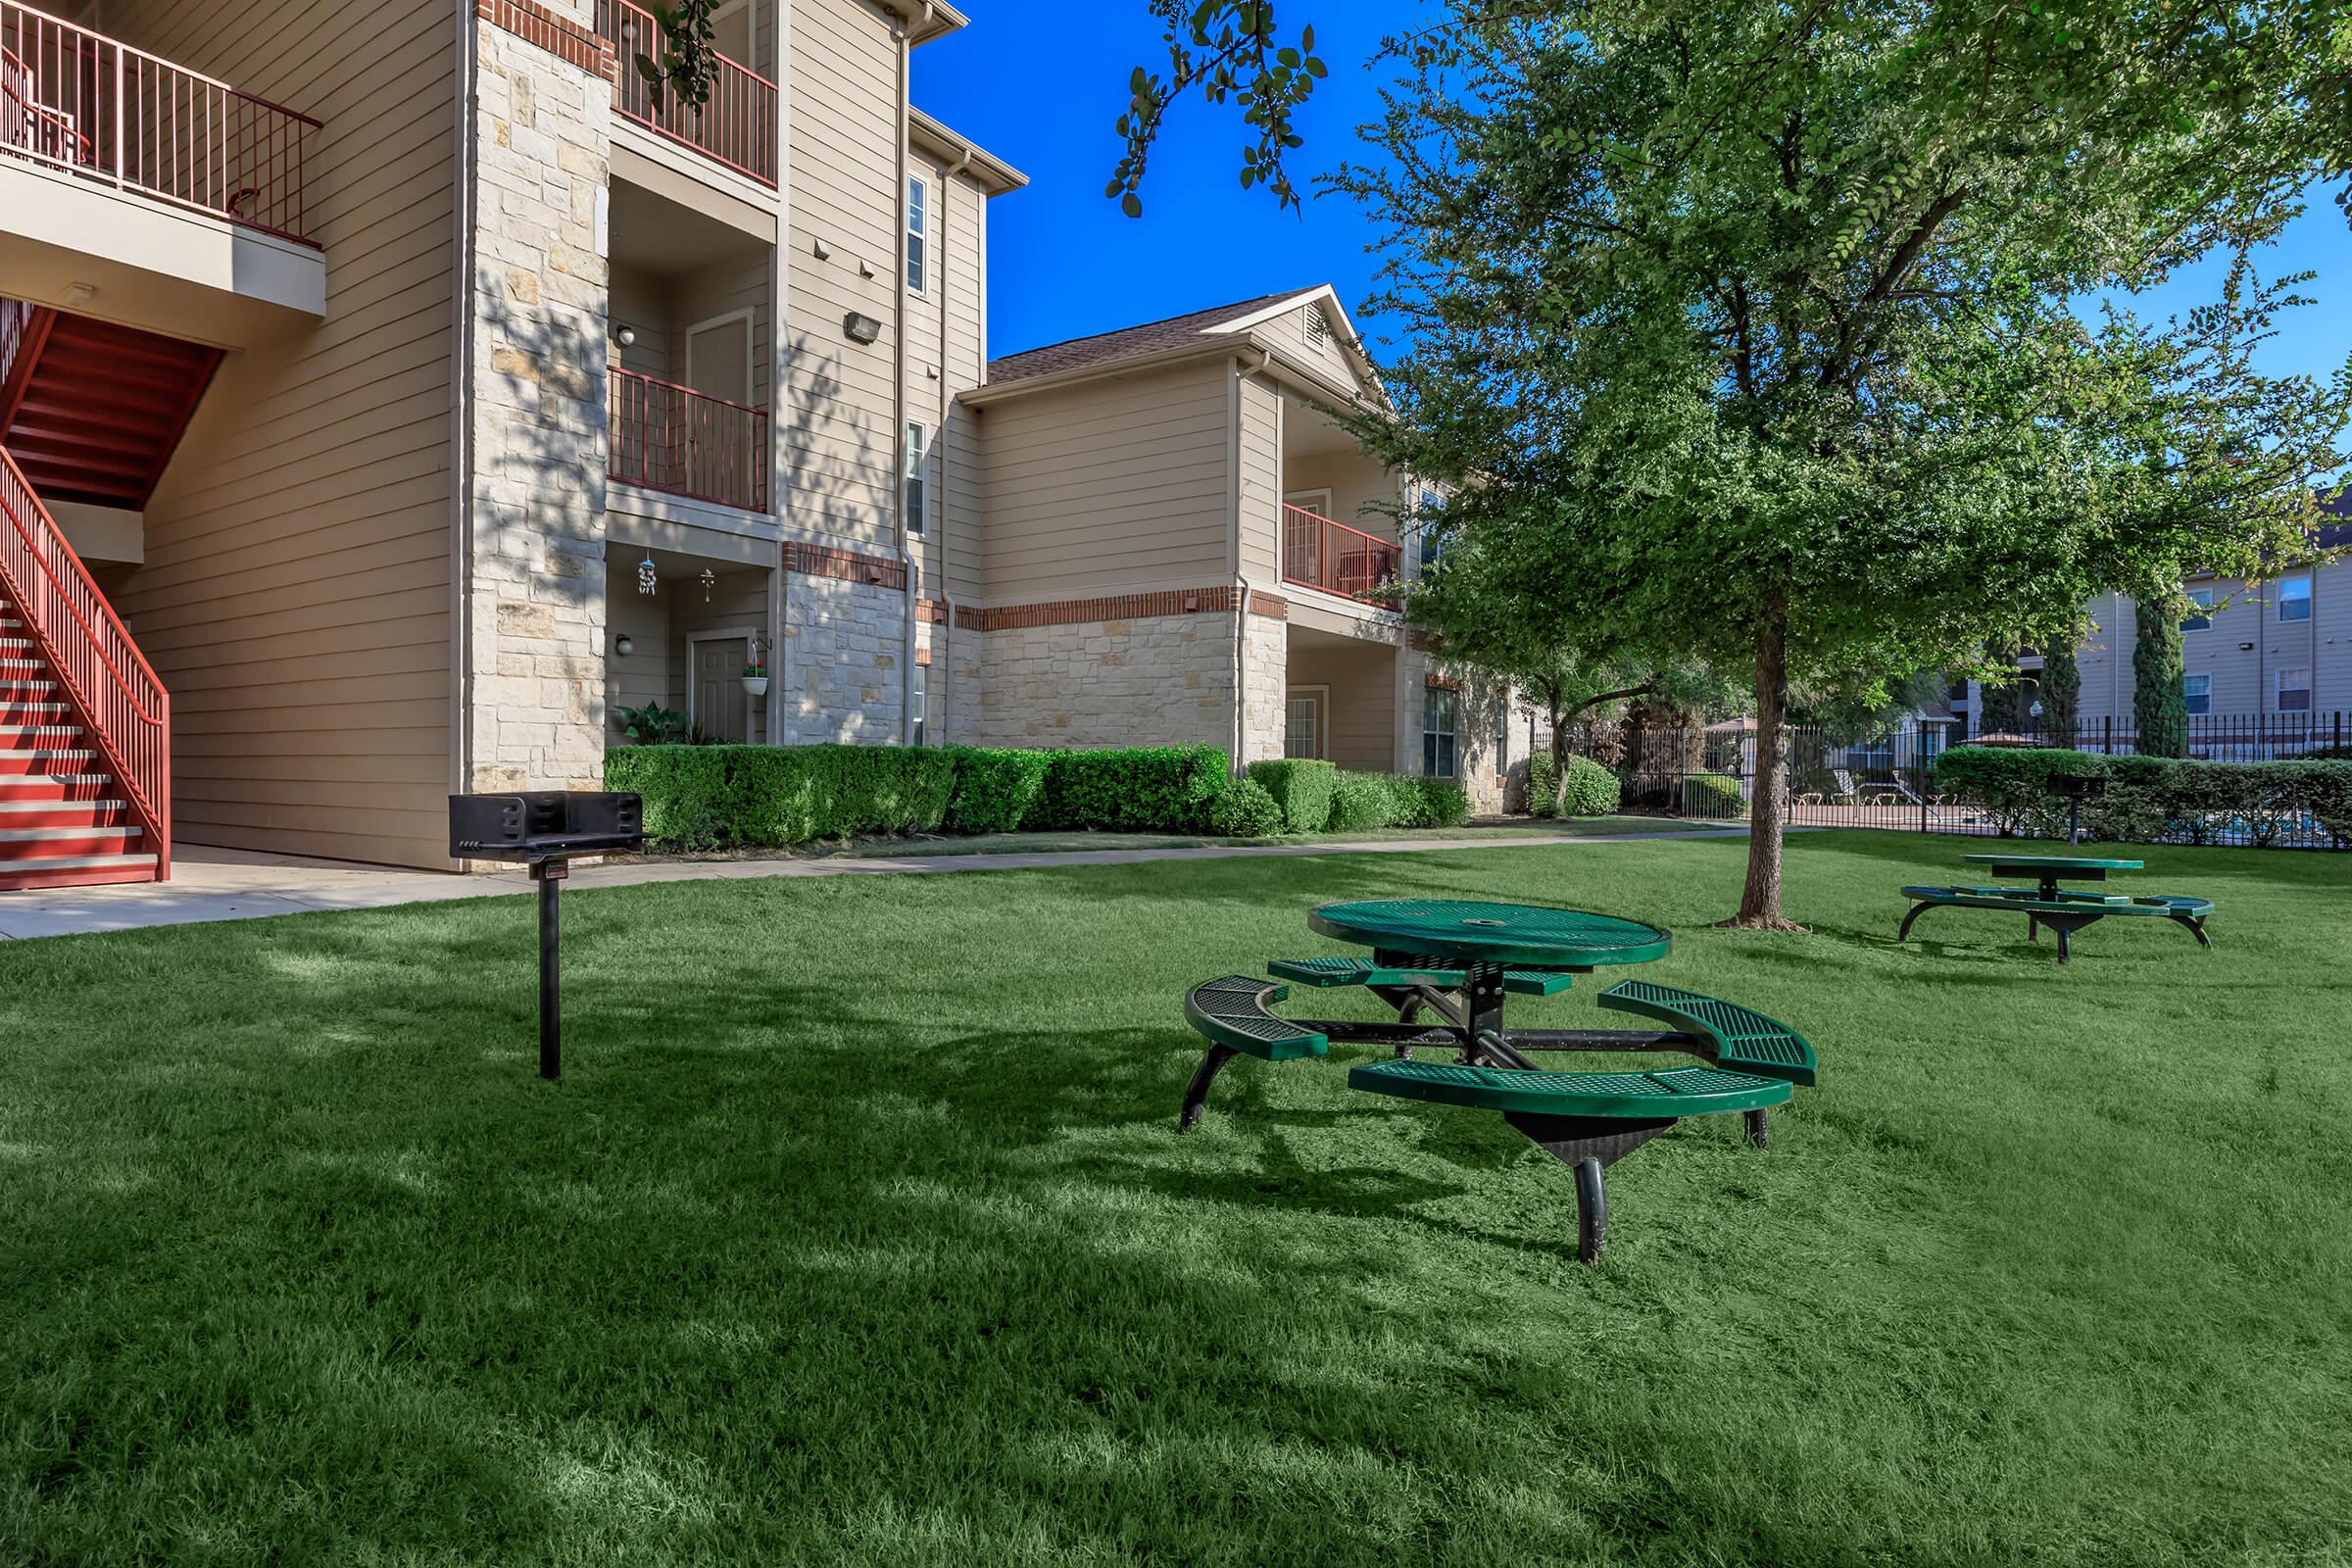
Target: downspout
<point x="908" y="560"/>
<point x="460" y="401"/>
<point x="1240" y="576"/>
<point x="945" y="641"/>
<point x="779" y="378"/>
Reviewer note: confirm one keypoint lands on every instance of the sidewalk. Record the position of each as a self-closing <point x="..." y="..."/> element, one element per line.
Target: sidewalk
<point x="212" y="884"/>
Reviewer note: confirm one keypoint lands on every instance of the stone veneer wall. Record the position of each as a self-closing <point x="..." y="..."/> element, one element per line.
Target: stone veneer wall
<point x="536" y="568"/>
<point x="1266" y="708"/>
<point x="844" y="663"/>
<point x="1148" y="680"/>
<point x="1475" y="725"/>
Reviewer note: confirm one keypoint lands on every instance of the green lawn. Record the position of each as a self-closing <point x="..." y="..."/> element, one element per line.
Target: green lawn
<point x="1469" y="833"/>
<point x="859" y="1233"/>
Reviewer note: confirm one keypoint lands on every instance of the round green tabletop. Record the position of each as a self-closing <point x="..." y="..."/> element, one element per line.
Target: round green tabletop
<point x="1492" y="933"/>
<point x="2055" y="862"/>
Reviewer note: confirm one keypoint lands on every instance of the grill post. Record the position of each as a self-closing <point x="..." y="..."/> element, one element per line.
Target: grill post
<point x="550" y="875"/>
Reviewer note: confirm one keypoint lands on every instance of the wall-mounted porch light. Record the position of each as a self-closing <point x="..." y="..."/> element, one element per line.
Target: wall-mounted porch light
<point x="626" y="335"/>
<point x="860" y="328"/>
<point x="624" y="645"/>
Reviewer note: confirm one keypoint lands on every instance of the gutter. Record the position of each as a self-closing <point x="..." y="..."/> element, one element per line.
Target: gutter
<point x="460" y="403"/>
<point x="898" y="391"/>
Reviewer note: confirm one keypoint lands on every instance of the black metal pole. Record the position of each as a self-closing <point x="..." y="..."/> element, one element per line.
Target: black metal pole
<point x="550" y="874"/>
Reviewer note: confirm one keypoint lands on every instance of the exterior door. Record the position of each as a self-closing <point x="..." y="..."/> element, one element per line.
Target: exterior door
<point x="720" y="709"/>
<point x="718" y="447"/>
<point x="1302" y="731"/>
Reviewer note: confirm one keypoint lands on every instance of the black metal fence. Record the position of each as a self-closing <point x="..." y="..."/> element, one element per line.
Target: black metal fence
<point x="1888" y="781"/>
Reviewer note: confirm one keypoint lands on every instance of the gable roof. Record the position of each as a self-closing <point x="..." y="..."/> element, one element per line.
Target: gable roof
<point x="1132" y="342"/>
<point x="2336" y="534"/>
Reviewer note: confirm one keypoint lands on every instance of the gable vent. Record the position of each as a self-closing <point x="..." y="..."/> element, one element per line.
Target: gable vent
<point x="1318" y="329"/>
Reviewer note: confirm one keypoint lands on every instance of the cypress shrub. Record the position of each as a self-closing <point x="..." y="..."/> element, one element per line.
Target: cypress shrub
<point x="1302" y="789"/>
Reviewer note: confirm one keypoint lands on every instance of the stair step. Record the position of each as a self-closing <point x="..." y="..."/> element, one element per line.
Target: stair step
<point x="76" y="870"/>
<point x="70" y="814"/>
<point x="22" y="735"/>
<point x="52" y="786"/>
<point x="48" y="843"/>
<point x="40" y="761"/>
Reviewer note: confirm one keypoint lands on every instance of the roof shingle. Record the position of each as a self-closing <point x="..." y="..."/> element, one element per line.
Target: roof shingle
<point x="1126" y="343"/>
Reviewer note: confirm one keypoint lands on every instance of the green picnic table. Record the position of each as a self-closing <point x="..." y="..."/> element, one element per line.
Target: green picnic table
<point x="2064" y="911"/>
<point x="1445" y="966"/>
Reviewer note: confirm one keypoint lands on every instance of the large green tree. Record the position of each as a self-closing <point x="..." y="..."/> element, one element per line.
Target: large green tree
<point x="2159" y="709"/>
<point x="2061" y="693"/>
<point x="1783" y="294"/>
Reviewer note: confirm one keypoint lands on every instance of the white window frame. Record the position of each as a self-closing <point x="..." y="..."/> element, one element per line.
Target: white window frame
<point x="2301" y="580"/>
<point x="2278" y="689"/>
<point x="919" y="725"/>
<point x="1321" y="693"/>
<point x="1435" y="700"/>
<point x="2188" y="696"/>
<point x="2202" y="598"/>
<point x="916" y="253"/>
<point x="914" y="489"/>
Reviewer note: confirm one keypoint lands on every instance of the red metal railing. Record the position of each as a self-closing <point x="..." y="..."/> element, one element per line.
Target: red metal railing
<point x="737" y="126"/>
<point x="112" y="691"/>
<point x="1319" y="553"/>
<point x="83" y="102"/>
<point x="687" y="443"/>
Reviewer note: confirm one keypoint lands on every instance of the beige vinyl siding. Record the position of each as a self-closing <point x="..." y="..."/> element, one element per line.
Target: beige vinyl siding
<point x="959" y="270"/>
<point x="295" y="595"/>
<point x="1259" y="480"/>
<point x="1359" y="487"/>
<point x="2246" y="679"/>
<point x="1289" y="331"/>
<point x="1116" y="483"/>
<point x="2331" y="639"/>
<point x="647" y="674"/>
<point x="737" y="284"/>
<point x="842" y="445"/>
<point x="1359" y="721"/>
<point x="642" y="301"/>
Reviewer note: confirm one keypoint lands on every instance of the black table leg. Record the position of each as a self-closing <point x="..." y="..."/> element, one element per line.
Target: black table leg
<point x="1195" y="1094"/>
<point x="2196" y="927"/>
<point x="1587" y="1145"/>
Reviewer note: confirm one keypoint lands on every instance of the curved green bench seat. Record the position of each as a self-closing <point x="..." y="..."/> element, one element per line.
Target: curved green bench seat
<point x="1681" y="1092"/>
<point x="1232" y="1012"/>
<point x="1741" y="1038"/>
<point x="1329" y="972"/>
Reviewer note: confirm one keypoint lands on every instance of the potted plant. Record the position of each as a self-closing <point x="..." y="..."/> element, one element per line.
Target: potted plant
<point x="755" y="680"/>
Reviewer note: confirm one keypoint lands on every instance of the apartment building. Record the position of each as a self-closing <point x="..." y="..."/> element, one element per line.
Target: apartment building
<point x="2274" y="654"/>
<point x="392" y="392"/>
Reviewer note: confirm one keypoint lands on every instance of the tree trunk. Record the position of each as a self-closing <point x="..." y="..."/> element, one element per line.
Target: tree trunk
<point x="1560" y="756"/>
<point x="1760" y="902"/>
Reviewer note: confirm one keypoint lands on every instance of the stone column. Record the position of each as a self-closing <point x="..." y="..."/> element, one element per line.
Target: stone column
<point x="1266" y="681"/>
<point x="538" y="422"/>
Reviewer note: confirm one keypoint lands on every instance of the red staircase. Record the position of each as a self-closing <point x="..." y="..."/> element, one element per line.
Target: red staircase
<point x="86" y="728"/>
<point x="92" y="411"/>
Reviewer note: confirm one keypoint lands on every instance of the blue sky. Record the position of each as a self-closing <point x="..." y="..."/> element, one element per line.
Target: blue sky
<point x="1040" y="83"/>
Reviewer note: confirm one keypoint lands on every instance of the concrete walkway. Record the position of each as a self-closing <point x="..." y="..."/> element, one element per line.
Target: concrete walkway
<point x="210" y="884"/>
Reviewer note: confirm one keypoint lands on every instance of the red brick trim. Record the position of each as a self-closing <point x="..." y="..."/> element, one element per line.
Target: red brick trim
<point x="1116" y="607"/>
<point x="561" y="37"/>
<point x="922" y="657"/>
<point x="822" y="560"/>
<point x="931" y="611"/>
<point x="1442" y="683"/>
<point x="1271" y="606"/>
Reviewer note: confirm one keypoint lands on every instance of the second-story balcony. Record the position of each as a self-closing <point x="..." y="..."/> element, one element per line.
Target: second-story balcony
<point x="1318" y="552"/>
<point x="90" y="106"/>
<point x="737" y="127"/>
<point x="681" y="442"/>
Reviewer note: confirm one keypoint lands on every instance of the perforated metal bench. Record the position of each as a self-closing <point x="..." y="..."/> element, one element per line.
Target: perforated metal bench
<point x="1325" y="973"/>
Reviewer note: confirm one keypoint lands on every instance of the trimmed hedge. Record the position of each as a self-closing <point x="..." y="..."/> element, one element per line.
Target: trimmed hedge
<point x="1592" y="790"/>
<point x="1150" y="789"/>
<point x="1246" y="809"/>
<point x="1302" y="789"/>
<point x="771" y="796"/>
<point x="2148" y="799"/>
<point x="1359" y="802"/>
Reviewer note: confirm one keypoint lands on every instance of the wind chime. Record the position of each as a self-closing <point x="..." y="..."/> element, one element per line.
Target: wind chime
<point x="649" y="581"/>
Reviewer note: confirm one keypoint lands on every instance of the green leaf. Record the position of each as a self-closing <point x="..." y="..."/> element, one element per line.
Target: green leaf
<point x="1132" y="205"/>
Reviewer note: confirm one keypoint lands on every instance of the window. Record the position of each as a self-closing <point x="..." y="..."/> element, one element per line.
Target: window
<point x="2197" y="693"/>
<point x="2295" y="597"/>
<point x="1440" y="711"/>
<point x="918" y="220"/>
<point x="1432" y="545"/>
<point x="2201" y="617"/>
<point x="917" y="444"/>
<point x="922" y="705"/>
<point x="2294" y="689"/>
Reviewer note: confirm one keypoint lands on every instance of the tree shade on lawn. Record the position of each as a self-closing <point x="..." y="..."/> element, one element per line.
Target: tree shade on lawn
<point x="857" y="1233"/>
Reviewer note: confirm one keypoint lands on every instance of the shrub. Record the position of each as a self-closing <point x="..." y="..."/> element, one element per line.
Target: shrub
<point x="767" y="796"/>
<point x="1150" y="789"/>
<point x="1543" y="786"/>
<point x="1713" y="795"/>
<point x="1592" y="789"/>
<point x="1425" y="802"/>
<point x="1359" y="801"/>
<point x="2150" y="797"/>
<point x="684" y="788"/>
<point x="996" y="788"/>
<point x="1245" y="809"/>
<point x="1302" y="789"/>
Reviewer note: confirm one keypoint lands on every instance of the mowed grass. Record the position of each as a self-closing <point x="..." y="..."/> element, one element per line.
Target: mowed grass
<point x="860" y="1232"/>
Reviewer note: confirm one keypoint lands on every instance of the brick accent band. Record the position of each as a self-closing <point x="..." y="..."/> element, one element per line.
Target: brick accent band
<point x="1271" y="606"/>
<point x="931" y="611"/>
<point x="559" y="36"/>
<point x="822" y="560"/>
<point x="1116" y="607"/>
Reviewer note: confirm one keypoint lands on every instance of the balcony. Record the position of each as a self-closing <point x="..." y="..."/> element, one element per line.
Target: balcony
<point x="681" y="442"/>
<point x="737" y="127"/>
<point x="82" y="104"/>
<point x="1318" y="552"/>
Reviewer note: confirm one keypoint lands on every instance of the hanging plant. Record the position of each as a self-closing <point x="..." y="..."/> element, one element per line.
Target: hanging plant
<point x="688" y="66"/>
